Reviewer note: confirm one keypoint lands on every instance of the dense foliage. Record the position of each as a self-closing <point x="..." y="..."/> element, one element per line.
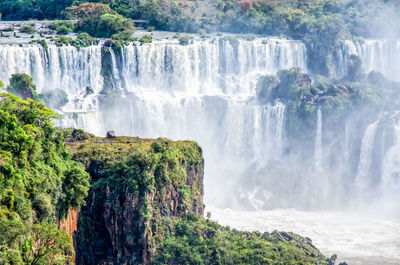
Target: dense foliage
<point x="194" y="240"/>
<point x="39" y="183"/>
<point x="22" y="85"/>
<point x="100" y="21"/>
<point x="291" y="17"/>
<point x="352" y="92"/>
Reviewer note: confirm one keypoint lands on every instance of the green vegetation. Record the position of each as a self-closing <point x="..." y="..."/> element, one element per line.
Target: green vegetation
<point x="22" y="85"/>
<point x="62" y="27"/>
<point x="184" y="40"/>
<point x="100" y="21"/>
<point x="194" y="240"/>
<point x="290" y="17"/>
<point x="43" y="43"/>
<point x="39" y="183"/>
<point x="299" y="19"/>
<point x="82" y="40"/>
<point x="146" y="39"/>
<point x="27" y="29"/>
<point x="356" y="92"/>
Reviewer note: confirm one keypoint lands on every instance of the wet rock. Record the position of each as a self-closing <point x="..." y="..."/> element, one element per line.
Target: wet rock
<point x="89" y="90"/>
<point x="111" y="134"/>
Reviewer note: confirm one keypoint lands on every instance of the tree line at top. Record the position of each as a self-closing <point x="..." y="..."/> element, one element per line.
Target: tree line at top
<point x="296" y="18"/>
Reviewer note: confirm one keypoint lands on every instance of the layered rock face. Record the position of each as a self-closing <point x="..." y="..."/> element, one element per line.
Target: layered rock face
<point x="136" y="184"/>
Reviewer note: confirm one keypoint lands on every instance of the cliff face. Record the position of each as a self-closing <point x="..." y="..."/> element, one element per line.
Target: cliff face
<point x="70" y="223"/>
<point x="136" y="184"/>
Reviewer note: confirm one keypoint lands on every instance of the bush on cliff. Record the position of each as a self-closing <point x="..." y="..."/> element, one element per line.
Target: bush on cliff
<point x="39" y="183"/>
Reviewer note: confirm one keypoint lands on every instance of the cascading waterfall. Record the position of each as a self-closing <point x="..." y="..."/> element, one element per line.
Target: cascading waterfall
<point x="376" y="55"/>
<point x="390" y="180"/>
<point x="64" y="67"/>
<point x="115" y="71"/>
<point x="275" y="118"/>
<point x="208" y="67"/>
<point x="363" y="179"/>
<point x="318" y="143"/>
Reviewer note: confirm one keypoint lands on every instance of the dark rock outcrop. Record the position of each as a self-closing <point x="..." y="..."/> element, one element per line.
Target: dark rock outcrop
<point x="111" y="134"/>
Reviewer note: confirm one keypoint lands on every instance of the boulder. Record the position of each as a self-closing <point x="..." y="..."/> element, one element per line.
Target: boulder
<point x="111" y="134"/>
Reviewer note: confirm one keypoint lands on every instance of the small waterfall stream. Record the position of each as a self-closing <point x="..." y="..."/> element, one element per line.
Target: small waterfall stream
<point x="362" y="180"/>
<point x="318" y="143"/>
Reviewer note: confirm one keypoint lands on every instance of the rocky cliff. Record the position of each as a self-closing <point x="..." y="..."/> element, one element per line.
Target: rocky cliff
<point x="145" y="206"/>
<point x="135" y="184"/>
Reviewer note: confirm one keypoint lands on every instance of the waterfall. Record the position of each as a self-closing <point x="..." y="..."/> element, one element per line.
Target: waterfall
<point x="115" y="71"/>
<point x="391" y="167"/>
<point x="377" y="55"/>
<point x="207" y="66"/>
<point x="318" y="143"/>
<point x="347" y="141"/>
<point x="362" y="179"/>
<point x="274" y="129"/>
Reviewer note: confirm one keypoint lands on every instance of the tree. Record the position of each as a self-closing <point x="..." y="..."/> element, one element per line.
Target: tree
<point x="100" y="21"/>
<point x="22" y="85"/>
<point x="50" y="245"/>
<point x="111" y="24"/>
<point x="87" y="11"/>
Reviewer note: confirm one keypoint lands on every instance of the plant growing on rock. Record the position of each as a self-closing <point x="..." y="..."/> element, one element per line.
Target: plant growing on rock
<point x="27" y="29"/>
<point x="184" y="40"/>
<point x="146" y="39"/>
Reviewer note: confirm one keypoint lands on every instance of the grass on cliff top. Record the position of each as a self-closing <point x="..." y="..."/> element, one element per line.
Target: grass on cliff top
<point x="84" y="146"/>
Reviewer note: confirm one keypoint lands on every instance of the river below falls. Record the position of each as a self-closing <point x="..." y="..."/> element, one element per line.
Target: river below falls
<point x="358" y="239"/>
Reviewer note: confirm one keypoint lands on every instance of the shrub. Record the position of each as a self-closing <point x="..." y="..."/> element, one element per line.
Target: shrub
<point x="123" y="35"/>
<point x="27" y="29"/>
<point x="63" y="30"/>
<point x="83" y="36"/>
<point x="184" y="40"/>
<point x="146" y="39"/>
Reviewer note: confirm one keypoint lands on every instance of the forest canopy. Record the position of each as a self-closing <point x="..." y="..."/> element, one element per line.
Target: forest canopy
<point x="294" y="18"/>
